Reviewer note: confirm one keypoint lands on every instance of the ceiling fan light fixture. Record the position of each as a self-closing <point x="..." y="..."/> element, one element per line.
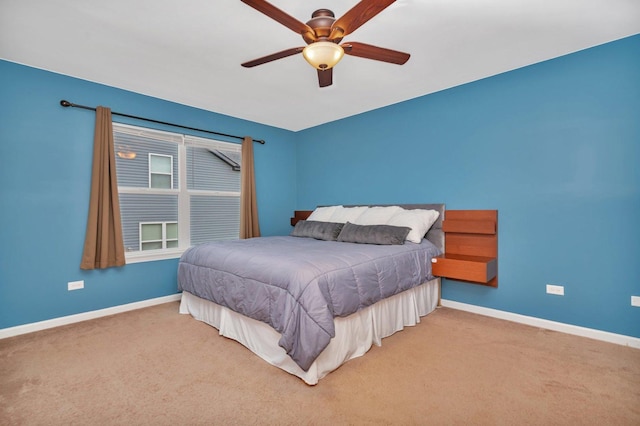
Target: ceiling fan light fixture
<point x="323" y="54"/>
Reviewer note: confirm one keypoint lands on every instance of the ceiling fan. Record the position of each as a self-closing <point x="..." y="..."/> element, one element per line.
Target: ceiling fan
<point x="323" y="33"/>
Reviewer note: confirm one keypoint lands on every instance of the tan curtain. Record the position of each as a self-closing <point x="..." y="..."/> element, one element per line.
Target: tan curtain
<point x="249" y="226"/>
<point x="103" y="245"/>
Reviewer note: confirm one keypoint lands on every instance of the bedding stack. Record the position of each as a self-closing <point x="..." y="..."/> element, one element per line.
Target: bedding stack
<point x="386" y="225"/>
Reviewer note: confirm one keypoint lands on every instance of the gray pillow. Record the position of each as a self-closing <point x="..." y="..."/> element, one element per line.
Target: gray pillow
<point x="373" y="234"/>
<point x="327" y="231"/>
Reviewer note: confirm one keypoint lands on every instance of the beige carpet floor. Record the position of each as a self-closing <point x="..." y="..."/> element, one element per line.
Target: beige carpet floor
<point x="156" y="367"/>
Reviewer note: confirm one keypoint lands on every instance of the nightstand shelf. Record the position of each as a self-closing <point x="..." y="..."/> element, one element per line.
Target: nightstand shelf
<point x="471" y="247"/>
<point x="476" y="269"/>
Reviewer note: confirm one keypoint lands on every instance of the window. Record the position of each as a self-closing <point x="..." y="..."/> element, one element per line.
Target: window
<point x="160" y="171"/>
<point x="175" y="191"/>
<point x="158" y="235"/>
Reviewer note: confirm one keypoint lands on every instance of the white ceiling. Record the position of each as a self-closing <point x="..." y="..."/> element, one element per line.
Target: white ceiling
<point x="190" y="51"/>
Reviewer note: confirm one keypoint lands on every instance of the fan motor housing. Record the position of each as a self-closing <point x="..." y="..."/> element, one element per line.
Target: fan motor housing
<point x="321" y="21"/>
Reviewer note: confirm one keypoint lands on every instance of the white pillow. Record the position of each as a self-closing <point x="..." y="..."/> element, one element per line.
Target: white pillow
<point x="322" y="214"/>
<point x="377" y="215"/>
<point x="418" y="220"/>
<point x="347" y="214"/>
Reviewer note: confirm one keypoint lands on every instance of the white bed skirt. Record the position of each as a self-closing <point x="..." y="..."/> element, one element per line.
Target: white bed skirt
<point x="354" y="334"/>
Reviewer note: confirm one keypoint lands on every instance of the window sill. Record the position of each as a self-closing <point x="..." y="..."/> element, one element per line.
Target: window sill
<point x="152" y="255"/>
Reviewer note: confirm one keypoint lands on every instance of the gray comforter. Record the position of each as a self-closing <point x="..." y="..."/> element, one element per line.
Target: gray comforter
<point x="298" y="285"/>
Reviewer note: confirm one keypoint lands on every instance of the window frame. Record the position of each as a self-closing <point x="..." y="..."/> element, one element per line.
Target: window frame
<point x="181" y="189"/>
<point x="163" y="239"/>
<point x="151" y="173"/>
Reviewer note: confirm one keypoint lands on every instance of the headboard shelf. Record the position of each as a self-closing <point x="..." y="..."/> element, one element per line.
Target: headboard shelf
<point x="299" y="215"/>
<point x="471" y="247"/>
<point x="470" y="226"/>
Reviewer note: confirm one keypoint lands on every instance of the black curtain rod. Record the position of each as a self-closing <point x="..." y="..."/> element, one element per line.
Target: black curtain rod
<point x="69" y="104"/>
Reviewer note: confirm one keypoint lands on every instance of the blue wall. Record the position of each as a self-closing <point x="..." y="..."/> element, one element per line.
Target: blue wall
<point x="555" y="147"/>
<point x="45" y="172"/>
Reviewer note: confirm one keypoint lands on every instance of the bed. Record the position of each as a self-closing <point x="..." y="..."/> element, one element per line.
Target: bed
<point x="345" y="278"/>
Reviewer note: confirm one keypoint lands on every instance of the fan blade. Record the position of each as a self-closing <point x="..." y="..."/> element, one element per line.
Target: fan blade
<point x="376" y="53"/>
<point x="325" y="77"/>
<point x="285" y="19"/>
<point x="273" y="57"/>
<point x="356" y="16"/>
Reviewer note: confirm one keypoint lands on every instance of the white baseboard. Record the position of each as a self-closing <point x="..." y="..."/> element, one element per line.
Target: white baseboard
<point x="70" y="319"/>
<point x="591" y="333"/>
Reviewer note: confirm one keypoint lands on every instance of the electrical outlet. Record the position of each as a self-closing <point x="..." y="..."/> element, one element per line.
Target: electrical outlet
<point x="635" y="301"/>
<point x="555" y="289"/>
<point x="75" y="285"/>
